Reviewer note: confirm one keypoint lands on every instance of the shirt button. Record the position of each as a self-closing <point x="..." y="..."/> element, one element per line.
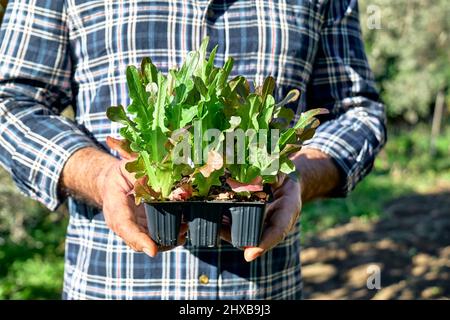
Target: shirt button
<point x="210" y="13"/>
<point x="203" y="279"/>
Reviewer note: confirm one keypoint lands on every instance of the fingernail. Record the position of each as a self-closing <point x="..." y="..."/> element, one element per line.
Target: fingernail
<point x="148" y="252"/>
<point x="251" y="255"/>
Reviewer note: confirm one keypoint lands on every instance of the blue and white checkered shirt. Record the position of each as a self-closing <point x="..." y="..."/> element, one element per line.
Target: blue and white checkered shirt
<point x="74" y="52"/>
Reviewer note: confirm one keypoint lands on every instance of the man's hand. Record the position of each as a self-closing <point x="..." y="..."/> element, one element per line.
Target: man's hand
<point x="281" y="217"/>
<point x="319" y="176"/>
<point x="105" y="183"/>
<point x="122" y="215"/>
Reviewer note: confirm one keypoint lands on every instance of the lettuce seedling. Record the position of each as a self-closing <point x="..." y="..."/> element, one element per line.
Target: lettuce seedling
<point x="269" y="140"/>
<point x="172" y="114"/>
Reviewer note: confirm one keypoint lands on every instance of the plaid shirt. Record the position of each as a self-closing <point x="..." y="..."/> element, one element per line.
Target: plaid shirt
<point x="59" y="53"/>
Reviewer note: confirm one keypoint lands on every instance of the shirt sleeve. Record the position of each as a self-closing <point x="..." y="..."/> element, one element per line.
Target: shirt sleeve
<point x="35" y="86"/>
<point x="343" y="82"/>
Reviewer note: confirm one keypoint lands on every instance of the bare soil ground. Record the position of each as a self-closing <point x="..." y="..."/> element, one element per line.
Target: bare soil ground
<point x="410" y="245"/>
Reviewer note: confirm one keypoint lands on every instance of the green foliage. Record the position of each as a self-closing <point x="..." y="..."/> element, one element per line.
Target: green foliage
<point x="168" y="113"/>
<point x="410" y="54"/>
<point x="31" y="246"/>
<point x="34" y="278"/>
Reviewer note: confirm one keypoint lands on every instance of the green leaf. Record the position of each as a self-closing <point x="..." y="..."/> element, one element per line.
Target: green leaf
<point x="282" y="117"/>
<point x="224" y="73"/>
<point x="307" y="117"/>
<point x="211" y="78"/>
<point x="287" y="166"/>
<point x="305" y="134"/>
<point x="204" y="184"/>
<point x="292" y="96"/>
<point x="210" y="64"/>
<point x="290" y="149"/>
<point x="250" y="173"/>
<point x="189" y="67"/>
<point x="166" y="181"/>
<point x="157" y="145"/>
<point x="255" y="103"/>
<point x="267" y="89"/>
<point x="187" y="115"/>
<point x="117" y="114"/>
<point x="135" y="166"/>
<point x="149" y="71"/>
<point x="159" y="111"/>
<point x="137" y="93"/>
<point x="228" y="66"/>
<point x="267" y="112"/>
<point x="200" y="85"/>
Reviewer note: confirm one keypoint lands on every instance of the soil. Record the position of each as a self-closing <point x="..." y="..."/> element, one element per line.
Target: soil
<point x="410" y="245"/>
<point x="224" y="192"/>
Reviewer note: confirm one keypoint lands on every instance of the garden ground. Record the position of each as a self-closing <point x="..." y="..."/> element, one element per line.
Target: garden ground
<point x="410" y="245"/>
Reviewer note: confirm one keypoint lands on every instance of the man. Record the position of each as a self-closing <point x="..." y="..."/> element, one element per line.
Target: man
<point x="59" y="53"/>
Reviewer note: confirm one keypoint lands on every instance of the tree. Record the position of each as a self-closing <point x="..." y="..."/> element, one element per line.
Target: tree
<point x="409" y="54"/>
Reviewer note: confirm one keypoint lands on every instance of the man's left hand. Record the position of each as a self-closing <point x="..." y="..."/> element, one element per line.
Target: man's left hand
<point x="281" y="218"/>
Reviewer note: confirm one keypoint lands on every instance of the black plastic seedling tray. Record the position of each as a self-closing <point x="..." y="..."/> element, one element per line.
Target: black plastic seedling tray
<point x="164" y="222"/>
<point x="205" y="220"/>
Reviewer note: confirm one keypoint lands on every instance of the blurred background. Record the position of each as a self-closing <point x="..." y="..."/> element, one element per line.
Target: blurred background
<point x="396" y="221"/>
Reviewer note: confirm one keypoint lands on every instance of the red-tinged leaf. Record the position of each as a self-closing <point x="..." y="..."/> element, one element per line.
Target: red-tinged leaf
<point x="214" y="162"/>
<point x="289" y="149"/>
<point x="303" y="135"/>
<point x="262" y="195"/>
<point x="254" y="186"/>
<point x="292" y="96"/>
<point x="182" y="193"/>
<point x="267" y="89"/>
<point x="282" y="117"/>
<point x="143" y="191"/>
<point x="306" y="117"/>
<point x="136" y="166"/>
<point x="122" y="147"/>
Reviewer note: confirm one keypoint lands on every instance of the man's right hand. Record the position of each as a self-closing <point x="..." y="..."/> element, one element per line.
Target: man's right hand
<point x="106" y="183"/>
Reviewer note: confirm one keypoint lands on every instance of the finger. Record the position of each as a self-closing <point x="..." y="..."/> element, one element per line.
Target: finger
<point x="184" y="228"/>
<point x="182" y="239"/>
<point x="251" y="253"/>
<point x="281" y="220"/>
<point x="225" y="232"/>
<point x="272" y="235"/>
<point x="137" y="238"/>
<point x="141" y="217"/>
<point x="272" y="207"/>
<point x="142" y="222"/>
<point x="280" y="180"/>
<point x="122" y="212"/>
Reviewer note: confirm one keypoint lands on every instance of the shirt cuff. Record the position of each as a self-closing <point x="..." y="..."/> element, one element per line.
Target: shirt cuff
<point x="40" y="178"/>
<point x="352" y="145"/>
